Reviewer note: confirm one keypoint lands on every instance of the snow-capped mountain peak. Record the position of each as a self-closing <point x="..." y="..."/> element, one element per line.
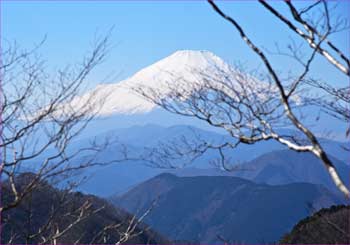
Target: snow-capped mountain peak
<point x="190" y="58"/>
<point x="184" y="68"/>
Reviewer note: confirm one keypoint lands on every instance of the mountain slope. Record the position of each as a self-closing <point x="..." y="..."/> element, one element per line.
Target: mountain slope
<point x="327" y="226"/>
<point x="183" y="68"/>
<point x="200" y="209"/>
<point x="51" y="210"/>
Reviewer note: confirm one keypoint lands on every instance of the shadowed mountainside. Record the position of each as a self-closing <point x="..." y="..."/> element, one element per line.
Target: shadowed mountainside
<point x="207" y="208"/>
<point x="52" y="210"/>
<point x="327" y="226"/>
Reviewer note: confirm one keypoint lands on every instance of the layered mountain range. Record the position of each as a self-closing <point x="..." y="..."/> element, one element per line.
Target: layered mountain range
<point x="200" y="203"/>
<point x="215" y="209"/>
<point x="264" y="162"/>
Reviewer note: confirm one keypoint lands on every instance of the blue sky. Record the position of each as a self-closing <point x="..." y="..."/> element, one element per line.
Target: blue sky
<point x="145" y="32"/>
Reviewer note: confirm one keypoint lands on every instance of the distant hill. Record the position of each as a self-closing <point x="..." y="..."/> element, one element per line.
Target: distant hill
<point x="206" y="209"/>
<point x="277" y="168"/>
<point x="120" y="177"/>
<point x="90" y="230"/>
<point x="285" y="166"/>
<point x="327" y="226"/>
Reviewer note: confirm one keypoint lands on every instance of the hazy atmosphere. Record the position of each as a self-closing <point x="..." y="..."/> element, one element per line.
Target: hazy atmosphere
<point x="175" y="122"/>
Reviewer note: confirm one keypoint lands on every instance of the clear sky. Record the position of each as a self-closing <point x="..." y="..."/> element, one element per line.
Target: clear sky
<point x="145" y="32"/>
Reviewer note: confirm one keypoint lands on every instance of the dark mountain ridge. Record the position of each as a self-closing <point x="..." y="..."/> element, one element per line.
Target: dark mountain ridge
<point x="47" y="210"/>
<point x="201" y="209"/>
<point x="327" y="226"/>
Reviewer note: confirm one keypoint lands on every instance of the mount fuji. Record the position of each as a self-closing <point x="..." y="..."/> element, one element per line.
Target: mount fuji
<point x="138" y="123"/>
<point x="185" y="68"/>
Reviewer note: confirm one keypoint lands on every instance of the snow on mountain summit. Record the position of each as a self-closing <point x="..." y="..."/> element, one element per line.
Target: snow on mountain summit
<point x="183" y="65"/>
<point x="183" y="59"/>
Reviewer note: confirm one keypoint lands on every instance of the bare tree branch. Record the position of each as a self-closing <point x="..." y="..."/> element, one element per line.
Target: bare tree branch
<point x="248" y="109"/>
